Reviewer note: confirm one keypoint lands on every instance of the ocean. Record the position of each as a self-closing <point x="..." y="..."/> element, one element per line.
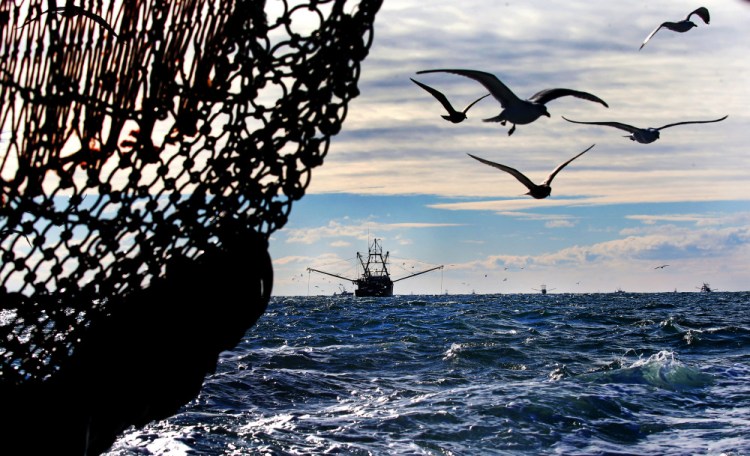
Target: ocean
<point x="562" y="374"/>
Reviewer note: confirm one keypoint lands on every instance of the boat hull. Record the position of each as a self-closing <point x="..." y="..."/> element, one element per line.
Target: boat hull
<point x="374" y="287"/>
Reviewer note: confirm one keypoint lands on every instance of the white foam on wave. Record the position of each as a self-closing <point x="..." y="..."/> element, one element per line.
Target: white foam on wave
<point x="269" y="424"/>
<point x="169" y="443"/>
<point x="663" y="370"/>
<point x="453" y="351"/>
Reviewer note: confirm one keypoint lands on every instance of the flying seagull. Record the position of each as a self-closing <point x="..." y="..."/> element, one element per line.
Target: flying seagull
<point x="516" y="110"/>
<point x="540" y="191"/>
<point x="643" y="135"/>
<point x="681" y="26"/>
<point x="70" y="10"/>
<point x="662" y="266"/>
<point x="453" y="115"/>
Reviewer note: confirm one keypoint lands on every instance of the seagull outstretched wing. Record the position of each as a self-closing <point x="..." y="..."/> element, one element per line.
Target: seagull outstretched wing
<point x="439" y="96"/>
<point x="498" y="90"/>
<point x="547" y="95"/>
<point x="692" y="122"/>
<point x="620" y="125"/>
<point x="701" y="12"/>
<point x="650" y="35"/>
<point x="512" y="171"/>
<point x="552" y="175"/>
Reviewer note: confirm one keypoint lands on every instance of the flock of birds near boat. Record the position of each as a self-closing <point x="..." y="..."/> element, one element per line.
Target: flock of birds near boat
<point x="517" y="111"/>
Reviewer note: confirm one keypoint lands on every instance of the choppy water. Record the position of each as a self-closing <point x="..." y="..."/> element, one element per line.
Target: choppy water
<point x="657" y="374"/>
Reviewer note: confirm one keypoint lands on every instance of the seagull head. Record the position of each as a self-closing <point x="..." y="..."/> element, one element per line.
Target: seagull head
<point x="545" y="112"/>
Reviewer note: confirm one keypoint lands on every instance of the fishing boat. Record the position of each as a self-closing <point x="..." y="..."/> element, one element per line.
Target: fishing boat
<point x="706" y="288"/>
<point x="343" y="292"/>
<point x="375" y="280"/>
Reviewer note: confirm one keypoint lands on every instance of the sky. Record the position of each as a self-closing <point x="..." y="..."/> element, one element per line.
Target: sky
<point x="399" y="173"/>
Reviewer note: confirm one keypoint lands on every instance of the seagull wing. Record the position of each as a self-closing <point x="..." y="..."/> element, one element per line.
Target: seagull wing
<point x="514" y="172"/>
<point x="475" y="102"/>
<point x="692" y="122"/>
<point x="701" y="12"/>
<point x="552" y="175"/>
<point x="437" y="94"/>
<point x="650" y="35"/>
<point x="619" y="125"/>
<point x="497" y="89"/>
<point x="548" y="95"/>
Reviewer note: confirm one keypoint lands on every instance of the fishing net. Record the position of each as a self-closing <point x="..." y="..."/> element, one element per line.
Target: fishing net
<point x="148" y="151"/>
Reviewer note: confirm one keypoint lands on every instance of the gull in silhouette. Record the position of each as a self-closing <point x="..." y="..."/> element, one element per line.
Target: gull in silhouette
<point x="70" y="10"/>
<point x="453" y="115"/>
<point x="681" y="26"/>
<point x="540" y="191"/>
<point x="662" y="266"/>
<point x="515" y="110"/>
<point x="643" y="135"/>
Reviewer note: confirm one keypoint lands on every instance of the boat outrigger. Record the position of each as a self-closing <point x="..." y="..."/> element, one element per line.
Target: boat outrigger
<point x="375" y="279"/>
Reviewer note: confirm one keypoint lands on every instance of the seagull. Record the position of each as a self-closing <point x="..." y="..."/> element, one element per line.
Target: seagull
<point x="453" y="115"/>
<point x="643" y="135"/>
<point x="662" y="266"/>
<point x="682" y="26"/>
<point x="70" y="10"/>
<point x="540" y="191"/>
<point x="516" y="110"/>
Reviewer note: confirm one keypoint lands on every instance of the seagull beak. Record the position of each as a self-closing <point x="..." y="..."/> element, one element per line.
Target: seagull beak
<point x="547" y="114"/>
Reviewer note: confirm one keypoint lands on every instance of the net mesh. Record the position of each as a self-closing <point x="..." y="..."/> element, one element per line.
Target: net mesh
<point x="144" y="140"/>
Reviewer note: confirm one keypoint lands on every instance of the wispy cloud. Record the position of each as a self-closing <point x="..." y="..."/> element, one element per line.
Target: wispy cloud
<point x="356" y="230"/>
<point x="706" y="219"/>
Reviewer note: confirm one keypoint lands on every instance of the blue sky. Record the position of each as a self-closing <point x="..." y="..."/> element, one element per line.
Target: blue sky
<point x="400" y="173"/>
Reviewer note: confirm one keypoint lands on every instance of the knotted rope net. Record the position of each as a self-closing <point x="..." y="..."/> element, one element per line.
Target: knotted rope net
<point x="148" y="150"/>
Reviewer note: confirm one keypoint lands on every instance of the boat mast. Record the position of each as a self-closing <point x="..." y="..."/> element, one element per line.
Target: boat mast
<point x="375" y="258"/>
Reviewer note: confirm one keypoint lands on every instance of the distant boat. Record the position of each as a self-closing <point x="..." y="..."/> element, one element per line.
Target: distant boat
<point x="542" y="289"/>
<point x="375" y="280"/>
<point x="706" y="288"/>
<point x="343" y="292"/>
<point x="619" y="291"/>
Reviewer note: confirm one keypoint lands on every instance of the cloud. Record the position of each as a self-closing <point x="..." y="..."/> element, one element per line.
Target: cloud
<point x="291" y="259"/>
<point x="707" y="219"/>
<point x="551" y="220"/>
<point x="668" y="243"/>
<point x="356" y="230"/>
<point x="560" y="223"/>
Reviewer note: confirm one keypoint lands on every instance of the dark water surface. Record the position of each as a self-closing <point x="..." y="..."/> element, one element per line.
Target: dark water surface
<point x="569" y="374"/>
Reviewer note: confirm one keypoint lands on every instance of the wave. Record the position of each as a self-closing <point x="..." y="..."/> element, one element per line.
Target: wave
<point x="661" y="370"/>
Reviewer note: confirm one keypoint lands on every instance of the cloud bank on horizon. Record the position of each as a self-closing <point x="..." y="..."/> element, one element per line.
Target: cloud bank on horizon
<point x="684" y="197"/>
